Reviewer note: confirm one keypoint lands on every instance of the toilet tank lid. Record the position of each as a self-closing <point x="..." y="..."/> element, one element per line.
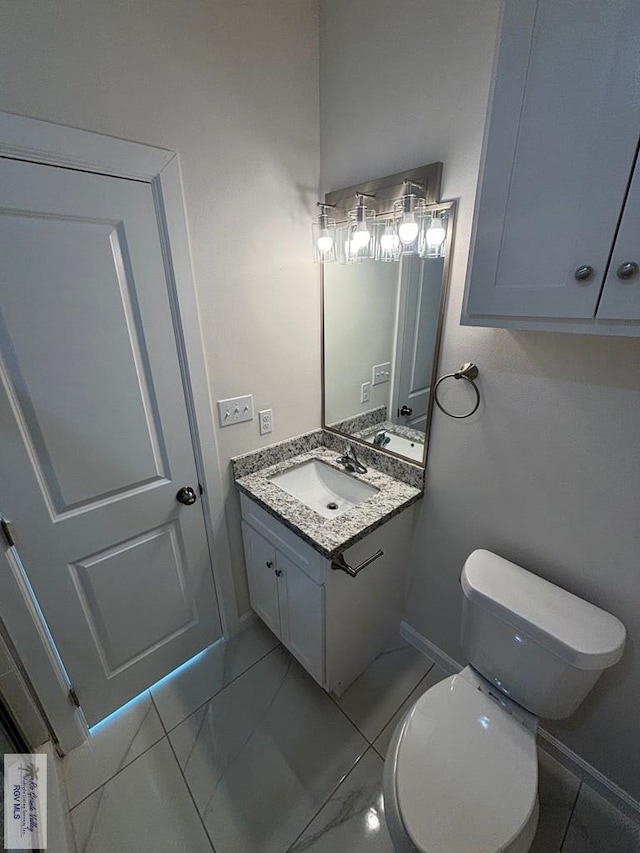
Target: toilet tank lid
<point x="580" y="633"/>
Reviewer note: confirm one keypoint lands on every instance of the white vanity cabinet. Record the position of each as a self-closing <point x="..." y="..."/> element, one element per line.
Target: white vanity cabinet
<point x="334" y="624"/>
<point x="557" y="222"/>
<point x="288" y="601"/>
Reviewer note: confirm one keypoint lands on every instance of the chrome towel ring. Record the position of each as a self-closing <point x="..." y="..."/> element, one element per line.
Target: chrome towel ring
<point x="469" y="372"/>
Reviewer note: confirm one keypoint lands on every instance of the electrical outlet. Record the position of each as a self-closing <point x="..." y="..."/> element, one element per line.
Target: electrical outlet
<point x="235" y="410"/>
<point x="265" y="419"/>
<point x="381" y="373"/>
<point x="365" y="392"/>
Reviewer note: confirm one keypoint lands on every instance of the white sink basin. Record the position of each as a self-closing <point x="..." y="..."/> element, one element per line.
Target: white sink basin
<point x="400" y="444"/>
<point x="323" y="488"/>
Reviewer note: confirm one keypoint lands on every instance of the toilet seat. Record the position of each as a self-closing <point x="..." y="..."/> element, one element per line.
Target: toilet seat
<point x="462" y="773"/>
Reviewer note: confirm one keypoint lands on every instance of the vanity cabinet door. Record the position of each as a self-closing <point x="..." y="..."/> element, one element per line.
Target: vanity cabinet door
<point x="302" y="616"/>
<point x="621" y="295"/>
<point x="261" y="574"/>
<point x="558" y="152"/>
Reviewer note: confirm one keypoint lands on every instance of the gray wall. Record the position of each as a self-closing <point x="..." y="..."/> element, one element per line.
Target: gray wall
<point x="547" y="473"/>
<point x="360" y="307"/>
<point x="233" y="88"/>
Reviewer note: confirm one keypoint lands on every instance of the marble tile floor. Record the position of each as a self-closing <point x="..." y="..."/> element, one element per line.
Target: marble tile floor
<point x="241" y="752"/>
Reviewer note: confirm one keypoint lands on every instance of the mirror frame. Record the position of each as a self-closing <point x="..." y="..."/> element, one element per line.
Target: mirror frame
<point x="449" y="206"/>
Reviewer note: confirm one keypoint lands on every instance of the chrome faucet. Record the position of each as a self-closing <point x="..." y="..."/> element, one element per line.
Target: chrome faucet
<point x="381" y="438"/>
<point x="351" y="461"/>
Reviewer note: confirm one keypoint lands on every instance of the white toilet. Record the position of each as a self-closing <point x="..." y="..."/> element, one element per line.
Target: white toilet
<point x="461" y="774"/>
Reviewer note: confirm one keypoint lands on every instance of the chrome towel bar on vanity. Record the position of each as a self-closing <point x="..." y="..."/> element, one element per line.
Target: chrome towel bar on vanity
<point x="340" y="563"/>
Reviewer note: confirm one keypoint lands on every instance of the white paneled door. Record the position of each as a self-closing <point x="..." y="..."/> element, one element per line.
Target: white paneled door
<point x="95" y="442"/>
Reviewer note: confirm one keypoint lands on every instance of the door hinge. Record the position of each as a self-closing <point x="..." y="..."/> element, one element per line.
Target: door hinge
<point x="201" y="489"/>
<point x="6" y="532"/>
<point x="74" y="697"/>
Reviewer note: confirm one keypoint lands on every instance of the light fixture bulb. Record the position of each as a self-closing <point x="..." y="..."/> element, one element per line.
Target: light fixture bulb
<point x="435" y="233"/>
<point x="324" y="241"/>
<point x="408" y="229"/>
<point x="389" y="240"/>
<point x="361" y="236"/>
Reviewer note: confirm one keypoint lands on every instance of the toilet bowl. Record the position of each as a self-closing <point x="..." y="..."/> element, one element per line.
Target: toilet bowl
<point x="461" y="773"/>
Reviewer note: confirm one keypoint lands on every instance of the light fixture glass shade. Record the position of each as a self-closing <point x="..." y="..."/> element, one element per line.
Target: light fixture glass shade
<point x="435" y="235"/>
<point x="387" y="241"/>
<point x="409" y="215"/>
<point x="324" y="239"/>
<point x="360" y="240"/>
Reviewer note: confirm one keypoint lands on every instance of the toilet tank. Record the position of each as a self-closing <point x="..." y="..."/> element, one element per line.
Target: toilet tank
<point x="540" y="645"/>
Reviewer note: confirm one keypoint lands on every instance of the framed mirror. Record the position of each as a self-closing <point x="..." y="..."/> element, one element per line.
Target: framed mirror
<point x="382" y="324"/>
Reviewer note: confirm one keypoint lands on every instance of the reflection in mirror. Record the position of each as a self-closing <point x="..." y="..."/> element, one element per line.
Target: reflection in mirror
<point x="382" y="324"/>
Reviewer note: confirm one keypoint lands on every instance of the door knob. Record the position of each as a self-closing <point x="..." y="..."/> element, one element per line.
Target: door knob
<point x="186" y="496"/>
<point x="627" y="270"/>
<point x="406" y="411"/>
<point x="583" y="273"/>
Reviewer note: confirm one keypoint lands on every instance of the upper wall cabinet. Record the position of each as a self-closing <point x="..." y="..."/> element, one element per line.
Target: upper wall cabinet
<point x="556" y="241"/>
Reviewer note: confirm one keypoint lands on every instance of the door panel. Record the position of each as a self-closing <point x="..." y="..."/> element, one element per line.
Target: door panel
<point x="100" y="579"/>
<point x="420" y="283"/>
<point x="96" y="438"/>
<point x="70" y="352"/>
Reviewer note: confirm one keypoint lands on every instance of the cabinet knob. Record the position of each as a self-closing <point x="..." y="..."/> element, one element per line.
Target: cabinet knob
<point x="278" y="572"/>
<point x="269" y="564"/>
<point x="583" y="273"/>
<point x="627" y="270"/>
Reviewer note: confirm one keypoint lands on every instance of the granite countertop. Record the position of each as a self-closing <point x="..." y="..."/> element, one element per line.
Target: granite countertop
<point x="329" y="536"/>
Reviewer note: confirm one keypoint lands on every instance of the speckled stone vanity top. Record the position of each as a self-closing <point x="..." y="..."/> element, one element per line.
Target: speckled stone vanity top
<point x="329" y="536"/>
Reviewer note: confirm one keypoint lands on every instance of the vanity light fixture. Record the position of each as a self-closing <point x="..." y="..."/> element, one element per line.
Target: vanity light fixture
<point x="387" y="229"/>
<point x="434" y="236"/>
<point x="387" y="241"/>
<point x="409" y="213"/>
<point x="359" y="243"/>
<point x="324" y="235"/>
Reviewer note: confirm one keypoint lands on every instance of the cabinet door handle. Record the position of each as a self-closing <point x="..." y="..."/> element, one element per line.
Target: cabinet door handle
<point x="278" y="572"/>
<point x="583" y="273"/>
<point x="627" y="270"/>
<point x="269" y="564"/>
<point x="340" y="563"/>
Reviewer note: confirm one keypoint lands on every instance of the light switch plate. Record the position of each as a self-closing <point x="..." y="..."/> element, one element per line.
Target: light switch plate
<point x="235" y="410"/>
<point x="381" y="373"/>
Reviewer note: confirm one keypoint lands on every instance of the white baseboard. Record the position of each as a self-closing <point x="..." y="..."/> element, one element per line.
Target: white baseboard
<point x="428" y="649"/>
<point x="565" y="756"/>
<point x="246" y="620"/>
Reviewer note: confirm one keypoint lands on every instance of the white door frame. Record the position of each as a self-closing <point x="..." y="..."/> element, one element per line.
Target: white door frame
<point x="37" y="141"/>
